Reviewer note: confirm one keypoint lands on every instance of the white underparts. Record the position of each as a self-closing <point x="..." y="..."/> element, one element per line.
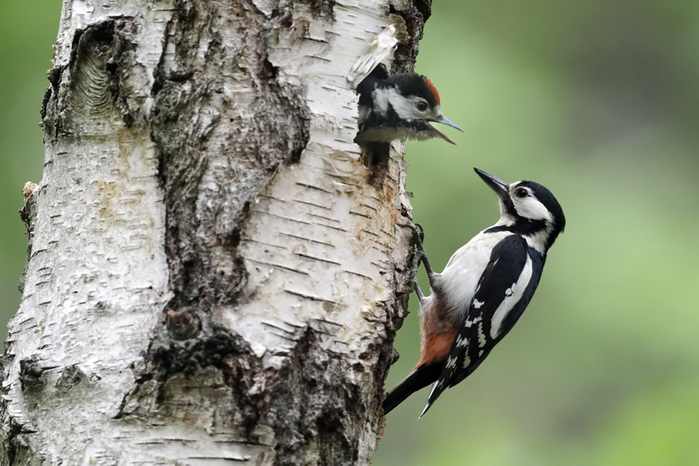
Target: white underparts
<point x="459" y="279"/>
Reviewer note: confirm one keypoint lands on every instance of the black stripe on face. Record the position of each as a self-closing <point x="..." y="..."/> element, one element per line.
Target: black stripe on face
<point x="549" y="201"/>
<point x="509" y="207"/>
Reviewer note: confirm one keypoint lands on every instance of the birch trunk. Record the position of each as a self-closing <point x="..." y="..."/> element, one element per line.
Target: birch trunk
<point x="210" y="277"/>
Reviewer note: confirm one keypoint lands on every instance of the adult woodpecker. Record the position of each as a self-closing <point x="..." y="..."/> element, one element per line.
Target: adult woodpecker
<point x="399" y="107"/>
<point x="483" y="290"/>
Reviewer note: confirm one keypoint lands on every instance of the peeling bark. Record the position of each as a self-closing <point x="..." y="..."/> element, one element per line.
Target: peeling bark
<point x="210" y="275"/>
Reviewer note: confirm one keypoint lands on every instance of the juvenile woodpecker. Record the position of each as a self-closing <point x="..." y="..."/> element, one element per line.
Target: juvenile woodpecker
<point x="483" y="290"/>
<point x="399" y="107"/>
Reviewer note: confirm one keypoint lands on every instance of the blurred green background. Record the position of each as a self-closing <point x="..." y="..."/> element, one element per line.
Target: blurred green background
<point x="28" y="29"/>
<point x="597" y="100"/>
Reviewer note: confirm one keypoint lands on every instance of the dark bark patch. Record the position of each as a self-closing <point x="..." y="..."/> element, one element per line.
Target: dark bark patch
<point x="211" y="345"/>
<point x="321" y="8"/>
<point x="54" y="77"/>
<point x="375" y="156"/>
<point x="70" y="377"/>
<point x="28" y="215"/>
<point x="415" y="17"/>
<point x="92" y="85"/>
<point x="183" y="324"/>
<point x="16" y="446"/>
<point x="31" y="370"/>
<point x="101" y="59"/>
<point x="311" y="402"/>
<point x="166" y="357"/>
<point x="213" y="161"/>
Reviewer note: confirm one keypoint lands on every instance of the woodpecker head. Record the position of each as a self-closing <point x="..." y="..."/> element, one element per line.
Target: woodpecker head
<point x="529" y="209"/>
<point x="400" y="107"/>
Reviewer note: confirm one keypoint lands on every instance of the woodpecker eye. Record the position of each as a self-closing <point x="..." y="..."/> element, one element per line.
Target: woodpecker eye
<point x="521" y="193"/>
<point x="421" y="106"/>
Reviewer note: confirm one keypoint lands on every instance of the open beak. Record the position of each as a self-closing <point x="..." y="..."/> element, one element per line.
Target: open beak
<point x="501" y="188"/>
<point x="445" y="121"/>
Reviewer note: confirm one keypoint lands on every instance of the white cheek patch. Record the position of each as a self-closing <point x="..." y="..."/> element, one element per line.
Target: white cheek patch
<point x="531" y="208"/>
<point x="404" y="107"/>
<point x="430" y="114"/>
<point x="381" y="99"/>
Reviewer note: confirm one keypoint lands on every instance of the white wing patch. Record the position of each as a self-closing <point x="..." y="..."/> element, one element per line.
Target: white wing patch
<point x="477" y="304"/>
<point x="515" y="294"/>
<point x="469" y="323"/>
<point x="481" y="336"/>
<point x="461" y="341"/>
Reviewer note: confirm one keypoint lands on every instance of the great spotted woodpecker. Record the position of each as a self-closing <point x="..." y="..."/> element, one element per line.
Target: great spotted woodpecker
<point x="483" y="290"/>
<point x="399" y="107"/>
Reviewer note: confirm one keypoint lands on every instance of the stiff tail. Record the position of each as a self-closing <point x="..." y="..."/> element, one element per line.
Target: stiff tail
<point x="421" y="377"/>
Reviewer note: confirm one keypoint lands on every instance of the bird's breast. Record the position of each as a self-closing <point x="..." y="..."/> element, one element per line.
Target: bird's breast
<point x="457" y="284"/>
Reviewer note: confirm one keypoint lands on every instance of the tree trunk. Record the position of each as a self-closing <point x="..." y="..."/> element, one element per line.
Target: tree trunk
<point x="210" y="277"/>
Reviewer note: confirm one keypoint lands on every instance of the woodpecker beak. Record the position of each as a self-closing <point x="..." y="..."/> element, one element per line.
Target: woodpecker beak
<point x="445" y="121"/>
<point x="501" y="188"/>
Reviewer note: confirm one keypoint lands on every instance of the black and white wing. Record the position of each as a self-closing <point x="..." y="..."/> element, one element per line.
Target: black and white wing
<point x="366" y="89"/>
<point x="503" y="292"/>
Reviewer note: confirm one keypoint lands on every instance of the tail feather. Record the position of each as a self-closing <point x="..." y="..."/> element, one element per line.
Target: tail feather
<point x="421" y="377"/>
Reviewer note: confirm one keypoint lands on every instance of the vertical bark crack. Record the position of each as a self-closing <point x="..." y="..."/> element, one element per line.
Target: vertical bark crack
<point x="215" y="149"/>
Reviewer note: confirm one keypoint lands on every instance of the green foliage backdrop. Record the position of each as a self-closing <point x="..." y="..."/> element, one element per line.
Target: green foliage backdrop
<point x="27" y="32"/>
<point x="597" y="100"/>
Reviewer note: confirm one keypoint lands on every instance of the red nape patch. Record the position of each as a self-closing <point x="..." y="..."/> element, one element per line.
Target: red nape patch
<point x="432" y="89"/>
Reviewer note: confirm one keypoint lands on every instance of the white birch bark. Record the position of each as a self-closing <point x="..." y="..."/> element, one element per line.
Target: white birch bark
<point x="210" y="277"/>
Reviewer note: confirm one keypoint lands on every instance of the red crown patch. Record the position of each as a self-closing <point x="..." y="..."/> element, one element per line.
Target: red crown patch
<point x="432" y="89"/>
